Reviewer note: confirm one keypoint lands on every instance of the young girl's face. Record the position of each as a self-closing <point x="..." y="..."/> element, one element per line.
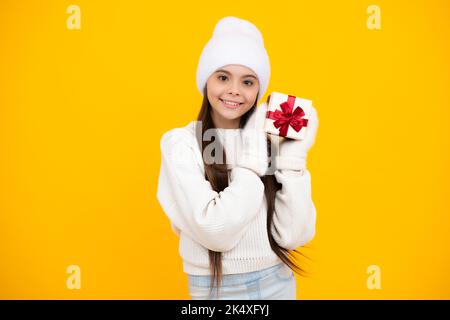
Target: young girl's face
<point x="232" y="91"/>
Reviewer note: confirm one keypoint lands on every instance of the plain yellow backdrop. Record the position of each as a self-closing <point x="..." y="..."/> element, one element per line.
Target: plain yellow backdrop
<point x="82" y="113"/>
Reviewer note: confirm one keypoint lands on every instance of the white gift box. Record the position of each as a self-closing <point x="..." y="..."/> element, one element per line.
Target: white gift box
<point x="287" y="116"/>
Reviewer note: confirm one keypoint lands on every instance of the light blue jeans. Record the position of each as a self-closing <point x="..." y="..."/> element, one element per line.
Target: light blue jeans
<point x="273" y="283"/>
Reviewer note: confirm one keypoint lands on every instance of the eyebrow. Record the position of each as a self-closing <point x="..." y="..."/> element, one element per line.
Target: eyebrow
<point x="244" y="76"/>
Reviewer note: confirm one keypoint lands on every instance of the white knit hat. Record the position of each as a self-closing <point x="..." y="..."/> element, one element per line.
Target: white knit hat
<point x="234" y="41"/>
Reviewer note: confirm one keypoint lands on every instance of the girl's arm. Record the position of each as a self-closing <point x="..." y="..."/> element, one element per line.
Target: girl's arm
<point x="294" y="220"/>
<point x="175" y="229"/>
<point x="295" y="214"/>
<point x="215" y="220"/>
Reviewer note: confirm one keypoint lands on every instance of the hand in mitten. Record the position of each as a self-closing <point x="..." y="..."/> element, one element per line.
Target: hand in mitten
<point x="292" y="153"/>
<point x="247" y="147"/>
<point x="254" y="142"/>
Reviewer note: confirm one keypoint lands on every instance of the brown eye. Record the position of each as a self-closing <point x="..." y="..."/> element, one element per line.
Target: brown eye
<point x="222" y="76"/>
<point x="248" y="81"/>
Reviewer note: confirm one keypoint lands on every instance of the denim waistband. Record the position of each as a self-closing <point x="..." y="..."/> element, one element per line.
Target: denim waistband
<point x="233" y="279"/>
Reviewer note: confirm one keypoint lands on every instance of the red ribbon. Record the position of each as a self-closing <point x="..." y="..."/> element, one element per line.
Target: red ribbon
<point x="285" y="117"/>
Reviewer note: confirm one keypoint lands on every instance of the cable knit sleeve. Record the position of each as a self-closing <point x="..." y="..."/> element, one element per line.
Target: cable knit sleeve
<point x="216" y="220"/>
<point x="294" y="221"/>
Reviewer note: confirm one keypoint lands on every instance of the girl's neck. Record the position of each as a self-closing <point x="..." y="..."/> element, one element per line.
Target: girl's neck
<point x="226" y="123"/>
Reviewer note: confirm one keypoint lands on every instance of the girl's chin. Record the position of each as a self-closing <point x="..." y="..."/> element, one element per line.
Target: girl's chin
<point x="230" y="114"/>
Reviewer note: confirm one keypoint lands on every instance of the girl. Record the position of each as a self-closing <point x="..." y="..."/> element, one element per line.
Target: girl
<point x="237" y="220"/>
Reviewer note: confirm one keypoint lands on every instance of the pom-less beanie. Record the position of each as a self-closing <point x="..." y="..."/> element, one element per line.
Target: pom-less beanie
<point x="234" y="41"/>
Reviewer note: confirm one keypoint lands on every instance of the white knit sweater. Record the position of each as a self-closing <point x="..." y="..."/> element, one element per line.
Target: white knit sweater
<point x="232" y="221"/>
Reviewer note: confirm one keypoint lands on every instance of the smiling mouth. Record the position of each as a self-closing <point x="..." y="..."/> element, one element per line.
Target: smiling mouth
<point x="230" y="105"/>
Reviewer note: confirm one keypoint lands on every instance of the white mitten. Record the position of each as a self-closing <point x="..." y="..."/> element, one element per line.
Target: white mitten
<point x="292" y="153"/>
<point x="254" y="142"/>
<point x="247" y="147"/>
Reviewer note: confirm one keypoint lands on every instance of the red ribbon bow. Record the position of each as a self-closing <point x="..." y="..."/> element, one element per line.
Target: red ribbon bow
<point x="285" y="117"/>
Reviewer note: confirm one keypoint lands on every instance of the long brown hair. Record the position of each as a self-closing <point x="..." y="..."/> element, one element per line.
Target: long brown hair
<point x="217" y="175"/>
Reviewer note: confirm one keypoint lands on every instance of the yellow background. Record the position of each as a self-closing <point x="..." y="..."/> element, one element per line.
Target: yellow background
<point x="82" y="113"/>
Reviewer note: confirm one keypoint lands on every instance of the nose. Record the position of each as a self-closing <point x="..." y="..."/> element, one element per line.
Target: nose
<point x="234" y="88"/>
